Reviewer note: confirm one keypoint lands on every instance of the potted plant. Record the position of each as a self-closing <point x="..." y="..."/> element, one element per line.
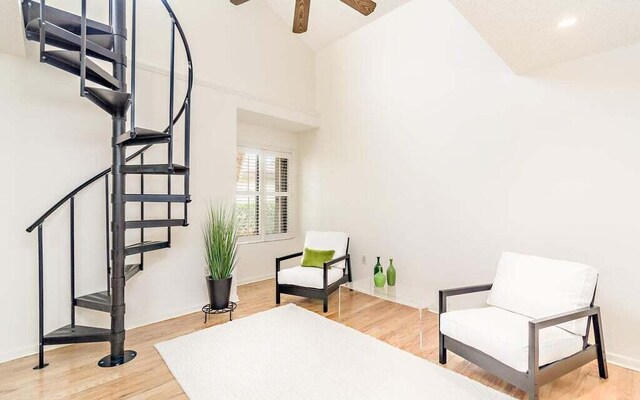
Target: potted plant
<point x="221" y="253"/>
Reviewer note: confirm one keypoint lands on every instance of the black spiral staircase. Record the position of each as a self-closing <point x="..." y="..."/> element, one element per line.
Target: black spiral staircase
<point x="79" y="42"/>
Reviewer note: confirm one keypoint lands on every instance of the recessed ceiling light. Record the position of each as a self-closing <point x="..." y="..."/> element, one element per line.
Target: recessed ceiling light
<point x="567" y="22"/>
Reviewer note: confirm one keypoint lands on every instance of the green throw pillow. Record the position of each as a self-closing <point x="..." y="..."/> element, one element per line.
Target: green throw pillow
<point x="316" y="258"/>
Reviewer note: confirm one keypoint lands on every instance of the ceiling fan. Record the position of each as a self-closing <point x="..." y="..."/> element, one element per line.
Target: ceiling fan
<point x="301" y="14"/>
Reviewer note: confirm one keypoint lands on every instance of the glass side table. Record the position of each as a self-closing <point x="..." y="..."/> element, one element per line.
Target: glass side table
<point x="401" y="293"/>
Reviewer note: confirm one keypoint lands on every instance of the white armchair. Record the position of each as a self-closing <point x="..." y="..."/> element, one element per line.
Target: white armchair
<point x="536" y="325"/>
<point x="316" y="283"/>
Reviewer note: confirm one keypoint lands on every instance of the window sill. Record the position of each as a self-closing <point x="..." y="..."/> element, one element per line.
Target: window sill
<point x="258" y="241"/>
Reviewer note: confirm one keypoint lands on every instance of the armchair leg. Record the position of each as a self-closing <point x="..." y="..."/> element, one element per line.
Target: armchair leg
<point x="277" y="284"/>
<point x="533" y="394"/>
<point x="325" y="304"/>
<point x="602" y="358"/>
<point x="443" y="351"/>
<point x="442" y="308"/>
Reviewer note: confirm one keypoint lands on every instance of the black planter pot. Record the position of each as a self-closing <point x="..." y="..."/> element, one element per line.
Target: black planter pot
<point x="219" y="292"/>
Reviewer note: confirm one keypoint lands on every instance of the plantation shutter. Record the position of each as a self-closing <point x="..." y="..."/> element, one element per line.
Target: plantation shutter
<point x="263" y="194"/>
<point x="248" y="194"/>
<point x="276" y="181"/>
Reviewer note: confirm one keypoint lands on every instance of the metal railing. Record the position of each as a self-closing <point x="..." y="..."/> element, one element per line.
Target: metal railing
<point x="185" y="110"/>
<point x="83" y="47"/>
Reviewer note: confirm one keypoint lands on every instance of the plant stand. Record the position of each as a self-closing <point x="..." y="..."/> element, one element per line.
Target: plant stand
<point x="207" y="310"/>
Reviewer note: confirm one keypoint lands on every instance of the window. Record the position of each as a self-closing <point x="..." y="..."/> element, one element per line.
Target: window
<point x="263" y="195"/>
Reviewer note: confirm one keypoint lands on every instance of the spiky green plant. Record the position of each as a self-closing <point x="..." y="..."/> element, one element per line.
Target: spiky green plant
<point x="221" y="241"/>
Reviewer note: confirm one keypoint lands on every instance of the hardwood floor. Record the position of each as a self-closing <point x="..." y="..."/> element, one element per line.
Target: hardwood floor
<point x="73" y="373"/>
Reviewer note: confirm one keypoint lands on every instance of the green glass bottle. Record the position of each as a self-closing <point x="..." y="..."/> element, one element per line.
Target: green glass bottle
<point x="378" y="267"/>
<point x="379" y="279"/>
<point x="391" y="274"/>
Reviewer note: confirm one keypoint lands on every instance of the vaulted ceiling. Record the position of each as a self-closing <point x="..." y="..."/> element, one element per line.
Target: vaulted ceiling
<point x="330" y="20"/>
<point x="527" y="36"/>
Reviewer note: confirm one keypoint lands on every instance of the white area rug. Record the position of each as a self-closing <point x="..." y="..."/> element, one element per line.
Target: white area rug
<point x="291" y="353"/>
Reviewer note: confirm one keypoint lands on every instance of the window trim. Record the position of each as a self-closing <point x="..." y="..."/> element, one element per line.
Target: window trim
<point x="263" y="152"/>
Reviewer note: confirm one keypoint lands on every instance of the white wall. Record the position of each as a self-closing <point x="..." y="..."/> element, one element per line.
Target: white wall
<point x="246" y="47"/>
<point x="53" y="140"/>
<point x="431" y="151"/>
<point x="258" y="259"/>
<point x="11" y="28"/>
<point x="243" y="48"/>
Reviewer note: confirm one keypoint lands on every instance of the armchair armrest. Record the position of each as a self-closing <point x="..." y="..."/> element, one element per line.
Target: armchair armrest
<point x="337" y="260"/>
<point x="325" y="267"/>
<point x="557" y="319"/>
<point x="287" y="257"/>
<point x="541" y="323"/>
<point x="444" y="294"/>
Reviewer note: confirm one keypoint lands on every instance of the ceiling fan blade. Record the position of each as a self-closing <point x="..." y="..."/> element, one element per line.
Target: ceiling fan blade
<point x="238" y="2"/>
<point x="364" y="7"/>
<point x="301" y="16"/>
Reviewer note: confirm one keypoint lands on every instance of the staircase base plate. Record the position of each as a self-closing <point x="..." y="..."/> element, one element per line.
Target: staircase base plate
<point x="37" y="367"/>
<point x="108" y="362"/>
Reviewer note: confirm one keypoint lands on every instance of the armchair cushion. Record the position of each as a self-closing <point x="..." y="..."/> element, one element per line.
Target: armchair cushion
<point x="504" y="336"/>
<point x="336" y="241"/>
<point x="308" y="277"/>
<point x="539" y="287"/>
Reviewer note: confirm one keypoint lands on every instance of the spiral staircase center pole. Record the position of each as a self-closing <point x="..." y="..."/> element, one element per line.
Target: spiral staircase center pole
<point x="118" y="354"/>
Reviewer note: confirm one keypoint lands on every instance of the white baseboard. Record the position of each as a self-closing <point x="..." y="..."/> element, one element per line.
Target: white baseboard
<point x="166" y="316"/>
<point x="15" y="354"/>
<point x="31" y="350"/>
<point x="256" y="279"/>
<point x="623" y="361"/>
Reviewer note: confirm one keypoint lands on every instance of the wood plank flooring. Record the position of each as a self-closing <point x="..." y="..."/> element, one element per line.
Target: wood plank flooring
<point x="73" y="373"/>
